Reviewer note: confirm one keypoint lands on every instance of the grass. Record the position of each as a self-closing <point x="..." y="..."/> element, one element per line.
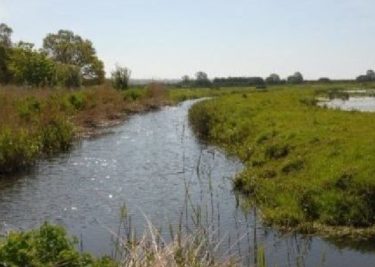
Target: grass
<point x="307" y="168"/>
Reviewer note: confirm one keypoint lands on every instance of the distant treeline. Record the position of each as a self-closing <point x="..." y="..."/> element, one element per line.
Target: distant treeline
<point x="202" y="80"/>
<point x="238" y="81"/>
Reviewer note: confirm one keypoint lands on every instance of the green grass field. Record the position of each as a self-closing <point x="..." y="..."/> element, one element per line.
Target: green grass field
<point x="306" y="167"/>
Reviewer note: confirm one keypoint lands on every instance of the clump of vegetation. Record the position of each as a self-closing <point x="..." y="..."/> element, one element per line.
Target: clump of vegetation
<point x="47" y="246"/>
<point x="305" y="165"/>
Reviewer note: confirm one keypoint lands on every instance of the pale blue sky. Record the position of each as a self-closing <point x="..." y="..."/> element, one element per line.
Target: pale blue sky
<point x="170" y="38"/>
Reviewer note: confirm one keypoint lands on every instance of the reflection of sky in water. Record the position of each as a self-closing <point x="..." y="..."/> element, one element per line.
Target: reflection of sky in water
<point x="148" y="163"/>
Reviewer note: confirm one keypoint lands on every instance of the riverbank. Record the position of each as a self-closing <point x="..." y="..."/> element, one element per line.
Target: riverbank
<point x="39" y="122"/>
<point x="307" y="168"/>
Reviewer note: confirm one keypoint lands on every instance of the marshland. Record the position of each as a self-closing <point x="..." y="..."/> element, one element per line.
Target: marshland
<point x="110" y="164"/>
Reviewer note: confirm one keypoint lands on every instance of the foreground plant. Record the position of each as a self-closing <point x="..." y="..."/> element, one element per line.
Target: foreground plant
<point x="47" y="246"/>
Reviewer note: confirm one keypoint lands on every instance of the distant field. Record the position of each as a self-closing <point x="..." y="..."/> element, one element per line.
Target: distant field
<point x="306" y="167"/>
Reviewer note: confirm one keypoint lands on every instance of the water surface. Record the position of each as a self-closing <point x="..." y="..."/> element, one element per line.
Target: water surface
<point x="353" y="103"/>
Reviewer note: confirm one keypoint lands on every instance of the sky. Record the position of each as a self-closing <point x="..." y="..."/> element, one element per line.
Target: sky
<point x="166" y="39"/>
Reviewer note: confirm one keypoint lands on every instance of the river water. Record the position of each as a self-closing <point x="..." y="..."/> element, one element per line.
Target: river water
<point x="155" y="165"/>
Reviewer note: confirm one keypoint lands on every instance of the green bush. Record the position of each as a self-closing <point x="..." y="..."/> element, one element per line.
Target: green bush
<point x="47" y="246"/>
<point x="77" y="100"/>
<point x="28" y="107"/>
<point x="18" y="149"/>
<point x="32" y="68"/>
<point x="56" y="135"/>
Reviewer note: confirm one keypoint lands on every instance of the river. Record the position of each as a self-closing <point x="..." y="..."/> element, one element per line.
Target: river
<point x="155" y="165"/>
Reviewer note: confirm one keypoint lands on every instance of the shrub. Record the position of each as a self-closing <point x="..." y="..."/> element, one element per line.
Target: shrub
<point x="17" y="149"/>
<point x="56" y="135"/>
<point x="77" y="100"/>
<point x="47" y="246"/>
<point x="120" y="78"/>
<point x="28" y="107"/>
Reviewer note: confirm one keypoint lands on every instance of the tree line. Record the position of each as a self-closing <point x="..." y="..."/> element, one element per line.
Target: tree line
<point x="202" y="80"/>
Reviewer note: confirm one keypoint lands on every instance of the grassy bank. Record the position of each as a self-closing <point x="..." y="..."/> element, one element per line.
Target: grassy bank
<point x="36" y="122"/>
<point x="39" y="122"/>
<point x="306" y="167"/>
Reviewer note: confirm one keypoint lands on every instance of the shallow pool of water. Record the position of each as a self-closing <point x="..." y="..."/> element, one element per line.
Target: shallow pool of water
<point x="363" y="103"/>
<point x="155" y="165"/>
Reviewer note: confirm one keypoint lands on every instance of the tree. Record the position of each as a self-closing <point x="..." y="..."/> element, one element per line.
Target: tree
<point x="185" y="80"/>
<point x="29" y="67"/>
<point x="5" y="35"/>
<point x="24" y="45"/>
<point x="121" y="77"/>
<point x="68" y="48"/>
<point x="5" y="44"/>
<point x="94" y="73"/>
<point x="296" y="78"/>
<point x="273" y="79"/>
<point x="5" y="75"/>
<point x="371" y="75"/>
<point x="202" y="79"/>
